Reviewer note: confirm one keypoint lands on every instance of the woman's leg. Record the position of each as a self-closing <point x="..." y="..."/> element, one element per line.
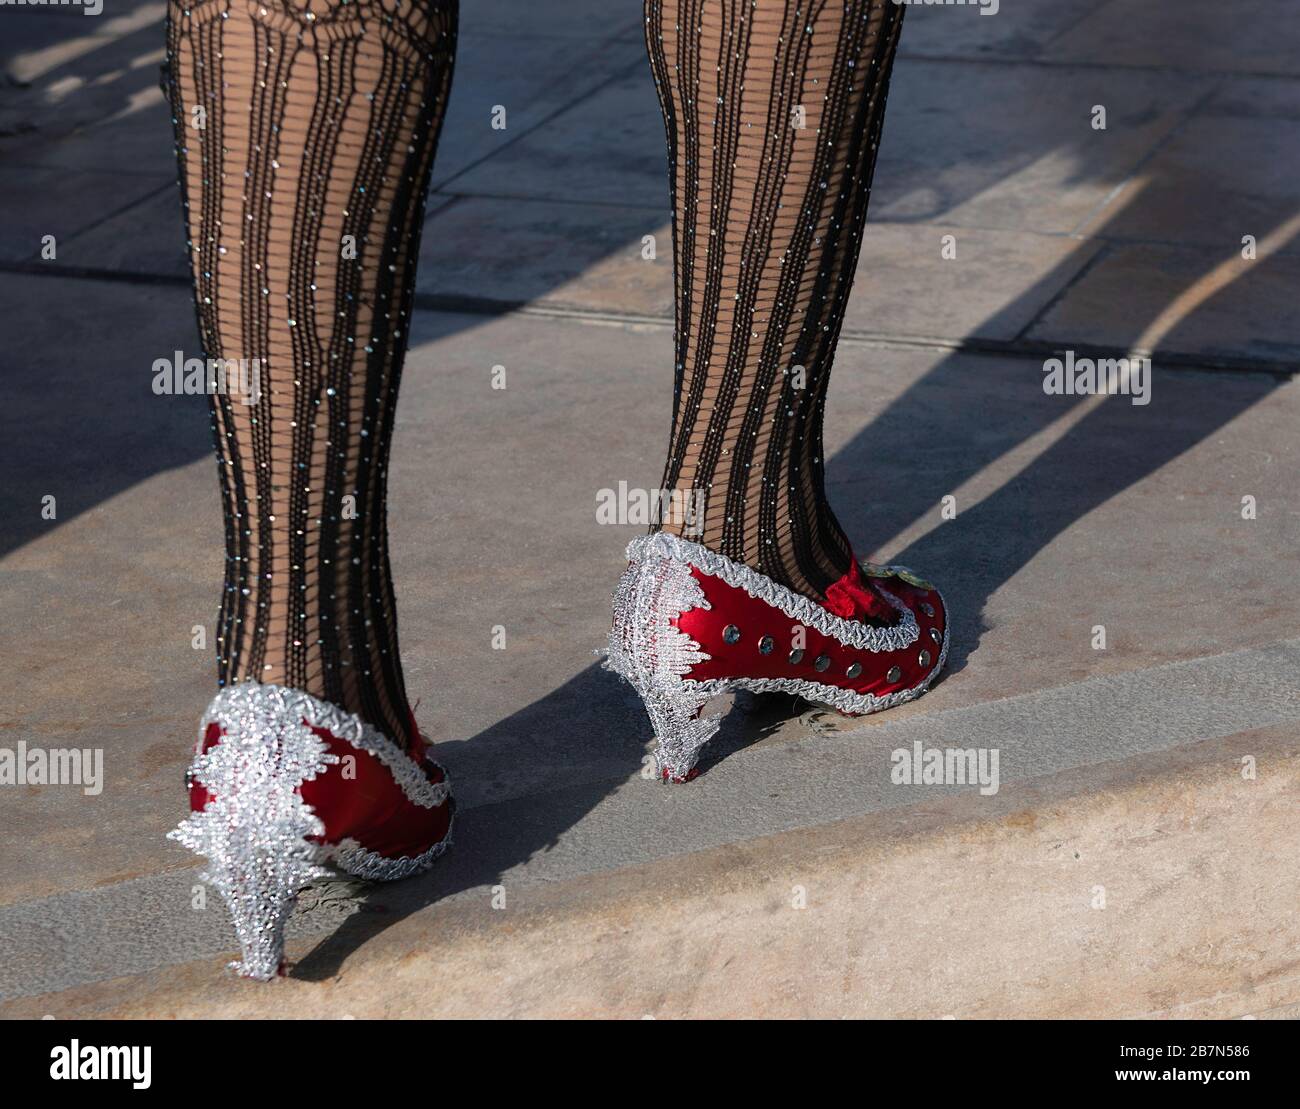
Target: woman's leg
<point x="305" y="134"/>
<point x="773" y="110"/>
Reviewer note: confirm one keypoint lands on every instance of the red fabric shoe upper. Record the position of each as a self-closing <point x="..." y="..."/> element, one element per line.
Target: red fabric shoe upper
<point x="358" y="798"/>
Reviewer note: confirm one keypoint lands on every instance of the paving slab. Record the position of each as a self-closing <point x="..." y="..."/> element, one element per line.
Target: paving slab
<point x="1024" y="155"/>
<point x="1257" y="97"/>
<point x="1259" y="36"/>
<point x="909" y="283"/>
<point x="1218" y="179"/>
<point x="1234" y="308"/>
<point x="134" y="141"/>
<point x="552" y="18"/>
<point x="68" y="75"/>
<point x="532" y="78"/>
<point x="607" y="148"/>
<point x="62" y="203"/>
<point x="1028" y="161"/>
<point x="592" y="258"/>
<point x="146" y="239"/>
<point x="1013" y="31"/>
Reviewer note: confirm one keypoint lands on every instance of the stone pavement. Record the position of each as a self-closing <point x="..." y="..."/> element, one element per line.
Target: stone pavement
<point x="1121" y="769"/>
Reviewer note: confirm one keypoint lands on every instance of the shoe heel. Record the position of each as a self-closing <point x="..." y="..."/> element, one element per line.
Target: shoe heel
<point x="255" y="829"/>
<point x="260" y="886"/>
<point x="649" y="652"/>
<point x="680" y="731"/>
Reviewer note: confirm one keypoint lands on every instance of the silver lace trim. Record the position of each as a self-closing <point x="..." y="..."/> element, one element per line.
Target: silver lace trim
<point x="406" y="772"/>
<point x="852" y="633"/>
<point x="349" y="855"/>
<point x="653" y="655"/>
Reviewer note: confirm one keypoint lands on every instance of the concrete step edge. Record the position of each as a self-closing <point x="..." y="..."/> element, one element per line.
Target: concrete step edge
<point x="1161" y="885"/>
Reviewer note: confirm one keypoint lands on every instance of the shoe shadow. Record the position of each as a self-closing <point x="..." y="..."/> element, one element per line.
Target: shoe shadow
<point x="1108" y="451"/>
<point x="966" y="414"/>
<point x="493" y="839"/>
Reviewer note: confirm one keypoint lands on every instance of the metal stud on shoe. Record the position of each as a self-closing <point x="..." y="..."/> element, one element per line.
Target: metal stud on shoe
<point x="927" y="608"/>
<point x="731" y="634"/>
<point x="934" y="634"/>
<point x="796" y="656"/>
<point x="823" y="663"/>
<point x="765" y="645"/>
<point x="854" y="670"/>
<point x="894" y="674"/>
<point x="923" y="659"/>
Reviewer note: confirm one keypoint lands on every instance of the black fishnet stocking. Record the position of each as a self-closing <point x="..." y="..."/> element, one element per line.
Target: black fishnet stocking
<point x="305" y="134"/>
<point x="773" y="110"/>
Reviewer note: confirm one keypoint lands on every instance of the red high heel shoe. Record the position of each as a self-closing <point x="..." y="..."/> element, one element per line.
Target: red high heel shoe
<point x="286" y="788"/>
<point x="690" y="624"/>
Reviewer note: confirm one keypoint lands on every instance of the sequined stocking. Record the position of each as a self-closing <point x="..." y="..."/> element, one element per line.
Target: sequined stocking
<point x="305" y="133"/>
<point x="773" y="110"/>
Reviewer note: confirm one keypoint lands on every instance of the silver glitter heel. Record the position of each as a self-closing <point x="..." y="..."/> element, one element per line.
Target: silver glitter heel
<point x="261" y="896"/>
<point x="652" y="655"/>
<point x="680" y="731"/>
<point x="261" y="749"/>
<point x="254" y="834"/>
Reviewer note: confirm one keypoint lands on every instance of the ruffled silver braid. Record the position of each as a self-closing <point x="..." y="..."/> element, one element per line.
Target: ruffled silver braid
<point x="852" y="633"/>
<point x="338" y="722"/>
